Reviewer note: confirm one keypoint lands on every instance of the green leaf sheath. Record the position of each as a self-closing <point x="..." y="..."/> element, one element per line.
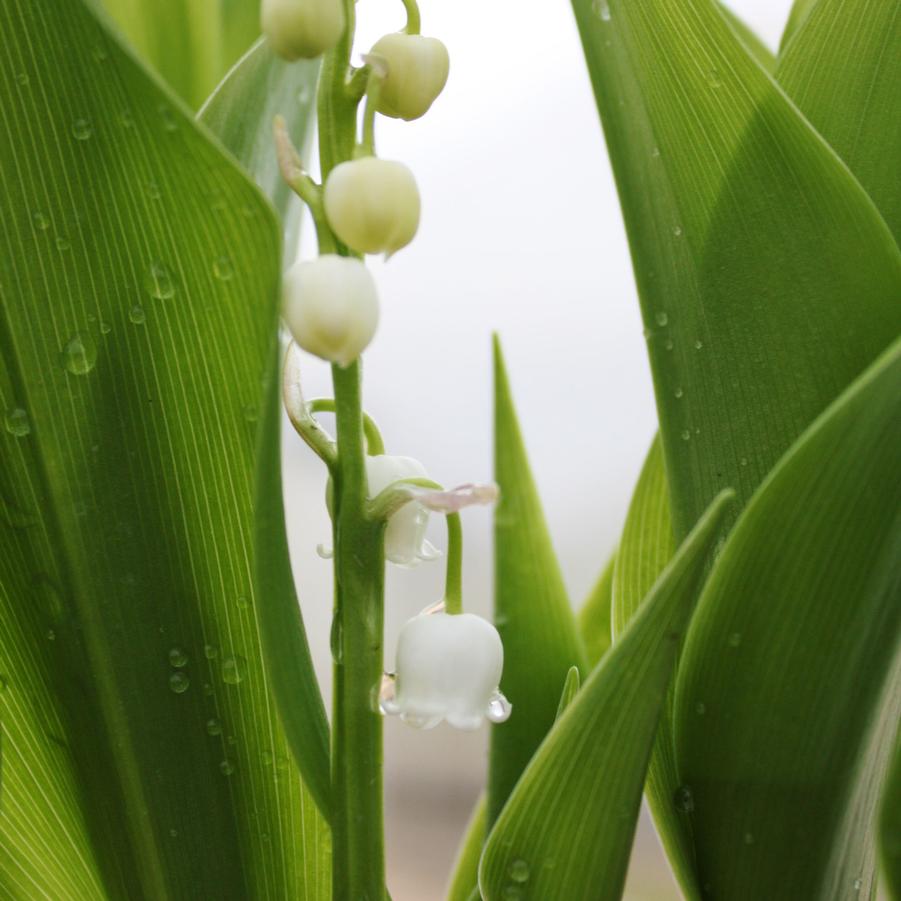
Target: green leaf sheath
<point x="240" y="112"/>
<point x="748" y="237"/>
<point x="890" y="825"/>
<point x="142" y="754"/>
<point x="190" y="43"/>
<point x="794" y="653"/>
<point x="595" y="622"/>
<point x="843" y="70"/>
<point x="532" y="610"/>
<point x="568" y="827"/>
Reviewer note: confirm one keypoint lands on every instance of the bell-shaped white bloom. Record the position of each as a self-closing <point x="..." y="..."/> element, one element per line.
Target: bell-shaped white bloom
<point x="331" y="307"/>
<point x="417" y="69"/>
<point x="448" y="668"/>
<point x="372" y="205"/>
<point x="302" y="29"/>
<point x="405" y="542"/>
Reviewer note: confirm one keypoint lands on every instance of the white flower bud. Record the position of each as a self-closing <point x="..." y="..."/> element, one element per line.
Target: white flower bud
<point x="331" y="307"/>
<point x="448" y="668"/>
<point x="417" y="73"/>
<point x="372" y="205"/>
<point x="302" y="28"/>
<point x="405" y="542"/>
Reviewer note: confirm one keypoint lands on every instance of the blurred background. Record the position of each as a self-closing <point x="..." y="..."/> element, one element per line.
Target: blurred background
<point x="521" y="234"/>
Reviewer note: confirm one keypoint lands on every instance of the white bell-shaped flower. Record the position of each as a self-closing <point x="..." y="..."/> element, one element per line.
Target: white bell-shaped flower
<point x="372" y="205"/>
<point x="448" y="668"/>
<point x="417" y="69"/>
<point x="405" y="542"/>
<point x="302" y="29"/>
<point x="331" y="307"/>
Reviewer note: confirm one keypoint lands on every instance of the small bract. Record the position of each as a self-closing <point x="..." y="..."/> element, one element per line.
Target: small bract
<point x="448" y="668"/>
<point x="302" y="29"/>
<point x="372" y="205"/>
<point x="331" y="307"/>
<point x="405" y="542"/>
<point x="417" y="73"/>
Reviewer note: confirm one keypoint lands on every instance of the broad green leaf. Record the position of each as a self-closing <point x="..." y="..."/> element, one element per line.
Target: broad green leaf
<point x="241" y="111"/>
<point x="465" y="879"/>
<point x="843" y="70"/>
<point x="748" y="236"/>
<point x="753" y="44"/>
<point x="532" y="611"/>
<point x="568" y="827"/>
<point x="800" y="10"/>
<point x="191" y="43"/>
<point x="139" y="275"/>
<point x="594" y="616"/>
<point x="570" y="689"/>
<point x="890" y="825"/>
<point x="794" y="654"/>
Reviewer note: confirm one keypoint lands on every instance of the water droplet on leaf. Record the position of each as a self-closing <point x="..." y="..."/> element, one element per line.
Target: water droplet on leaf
<point x="159" y="282"/>
<point x="601" y="9"/>
<point x="223" y="268"/>
<point x="17" y="423"/>
<point x="684" y="799"/>
<point x="211" y="652"/>
<point x="41" y="221"/>
<point x="213" y="726"/>
<point x="82" y="129"/>
<point x="336" y="639"/>
<point x="137" y="315"/>
<point x="80" y="354"/>
<point x="226" y="767"/>
<point x="519" y="871"/>
<point x="179" y="682"/>
<point x="234" y="669"/>
<point x="178" y="658"/>
<point x="661" y="318"/>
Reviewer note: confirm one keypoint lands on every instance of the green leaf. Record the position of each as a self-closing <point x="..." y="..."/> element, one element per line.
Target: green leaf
<point x="465" y="878"/>
<point x="800" y="10"/>
<point x="532" y="610"/>
<point x="843" y="70"/>
<point x="594" y="616"/>
<point x="568" y="827"/>
<point x="753" y="44"/>
<point x="191" y="43"/>
<point x="747" y="234"/>
<point x="794" y="653"/>
<point x="241" y="111"/>
<point x="890" y="825"/>
<point x="570" y="689"/>
<point x="139" y="272"/>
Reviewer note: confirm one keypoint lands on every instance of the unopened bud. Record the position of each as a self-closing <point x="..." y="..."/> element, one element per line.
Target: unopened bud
<point x="372" y="205"/>
<point x="331" y="307"/>
<point x="302" y="28"/>
<point x="417" y="72"/>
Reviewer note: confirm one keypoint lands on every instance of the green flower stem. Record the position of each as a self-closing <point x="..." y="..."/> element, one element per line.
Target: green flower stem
<point x="374" y="443"/>
<point x="453" y="585"/>
<point x="413" y="23"/>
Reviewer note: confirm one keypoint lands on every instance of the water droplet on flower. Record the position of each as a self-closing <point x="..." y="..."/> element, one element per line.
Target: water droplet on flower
<point x="325" y="552"/>
<point x="519" y="871"/>
<point x="213" y="726"/>
<point x="601" y="9"/>
<point x="80" y="354"/>
<point x="210" y="651"/>
<point x="234" y="669"/>
<point x="414" y="721"/>
<point x="677" y="231"/>
<point x="387" y="694"/>
<point x="223" y="269"/>
<point x="41" y="221"/>
<point x="336" y="639"/>
<point x="82" y="129"/>
<point x="661" y="318"/>
<point x="226" y="767"/>
<point x="178" y="658"/>
<point x="686" y="435"/>
<point x="179" y="682"/>
<point x="678" y="392"/>
<point x="499" y="708"/>
<point x="684" y="799"/>
<point x="137" y="315"/>
<point x="159" y="282"/>
<point x="735" y="639"/>
<point x="16" y="422"/>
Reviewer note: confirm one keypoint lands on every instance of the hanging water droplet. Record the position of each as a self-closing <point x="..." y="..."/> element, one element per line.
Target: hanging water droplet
<point x="519" y="871"/>
<point x="677" y="231"/>
<point x="684" y="799"/>
<point x="735" y="639"/>
<point x="179" y="682"/>
<point x="82" y="129"/>
<point x="686" y="435"/>
<point x="661" y="318"/>
<point x="336" y="639"/>
<point x="226" y="767"/>
<point x="388" y="705"/>
<point x="80" y="354"/>
<point x="499" y="708"/>
<point x="678" y="392"/>
<point x="17" y="423"/>
<point x="700" y="708"/>
<point x="223" y="268"/>
<point x="601" y="9"/>
<point x="213" y="726"/>
<point x="211" y="652"/>
<point x="178" y="658"/>
<point x="159" y="282"/>
<point x="234" y="669"/>
<point x="137" y="315"/>
<point x="41" y="221"/>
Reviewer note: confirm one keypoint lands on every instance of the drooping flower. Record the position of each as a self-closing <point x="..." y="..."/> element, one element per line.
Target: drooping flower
<point x="302" y="29"/>
<point x="448" y="668"/>
<point x="417" y="69"/>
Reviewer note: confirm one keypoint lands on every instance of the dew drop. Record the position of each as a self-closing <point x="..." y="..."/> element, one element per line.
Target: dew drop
<point x="686" y="435"/>
<point x="178" y="658"/>
<point x="80" y="354"/>
<point x="234" y="669"/>
<point x="499" y="708"/>
<point x="82" y="129"/>
<point x="661" y="318"/>
<point x="179" y="682"/>
<point x="678" y="392"/>
<point x="40" y="220"/>
<point x="213" y="726"/>
<point x="223" y="268"/>
<point x="159" y="282"/>
<point x="226" y="767"/>
<point x="388" y="705"/>
<point x="303" y="95"/>
<point x="519" y="871"/>
<point x="735" y="639"/>
<point x="17" y="423"/>
<point x="211" y="652"/>
<point x="137" y="315"/>
<point x="601" y="9"/>
<point x="336" y="640"/>
<point x="684" y="799"/>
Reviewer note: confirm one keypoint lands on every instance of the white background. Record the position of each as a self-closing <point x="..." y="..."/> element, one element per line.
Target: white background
<point x="521" y="234"/>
